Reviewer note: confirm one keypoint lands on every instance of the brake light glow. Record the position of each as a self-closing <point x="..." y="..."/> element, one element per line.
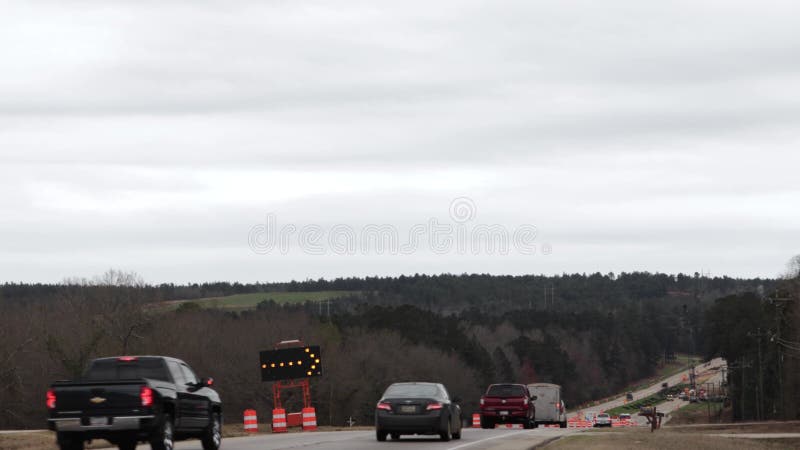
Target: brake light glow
<point x="51" y="399"/>
<point x="146" y="394"/>
<point x="433" y="406"/>
<point x="126" y="358"/>
<point x="384" y="406"/>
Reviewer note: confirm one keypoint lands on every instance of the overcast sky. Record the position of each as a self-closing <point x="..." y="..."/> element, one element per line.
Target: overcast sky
<point x="159" y="137"/>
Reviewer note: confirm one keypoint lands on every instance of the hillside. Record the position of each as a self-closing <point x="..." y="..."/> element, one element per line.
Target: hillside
<point x="466" y="330"/>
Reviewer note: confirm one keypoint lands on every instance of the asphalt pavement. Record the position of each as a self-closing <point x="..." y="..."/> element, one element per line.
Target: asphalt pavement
<point x="472" y="439"/>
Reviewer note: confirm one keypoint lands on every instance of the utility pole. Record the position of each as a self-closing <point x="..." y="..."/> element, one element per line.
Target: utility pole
<point x="779" y="303"/>
<point x="551" y="290"/>
<point x="760" y="390"/>
<point x="740" y="365"/>
<point x="545" y="298"/>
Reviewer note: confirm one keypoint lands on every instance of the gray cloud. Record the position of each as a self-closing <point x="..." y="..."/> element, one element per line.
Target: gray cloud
<point x="633" y="135"/>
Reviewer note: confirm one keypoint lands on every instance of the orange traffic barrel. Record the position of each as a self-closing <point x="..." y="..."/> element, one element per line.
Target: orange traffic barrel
<point x="279" y="420"/>
<point x="476" y="421"/>
<point x="309" y="419"/>
<point x="250" y="421"/>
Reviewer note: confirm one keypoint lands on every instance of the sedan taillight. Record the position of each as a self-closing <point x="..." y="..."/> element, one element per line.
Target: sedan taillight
<point x="433" y="406"/>
<point x="384" y="406"/>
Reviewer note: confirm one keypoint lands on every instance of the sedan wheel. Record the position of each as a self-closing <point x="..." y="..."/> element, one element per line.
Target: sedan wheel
<point x="445" y="434"/>
<point x="457" y="434"/>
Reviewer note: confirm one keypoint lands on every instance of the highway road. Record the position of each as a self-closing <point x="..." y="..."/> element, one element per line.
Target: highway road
<point x="654" y="388"/>
<point x="472" y="439"/>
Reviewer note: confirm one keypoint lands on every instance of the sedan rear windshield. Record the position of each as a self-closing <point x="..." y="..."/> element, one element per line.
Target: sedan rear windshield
<point x="411" y="390"/>
<point x="114" y="369"/>
<point x="506" y="390"/>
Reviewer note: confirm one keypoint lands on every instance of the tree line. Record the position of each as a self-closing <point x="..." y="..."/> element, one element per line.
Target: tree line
<point x="597" y="334"/>
<point x="758" y="333"/>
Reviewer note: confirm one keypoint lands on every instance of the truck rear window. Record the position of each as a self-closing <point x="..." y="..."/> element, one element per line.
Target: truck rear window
<point x="114" y="369"/>
<point x="506" y="390"/>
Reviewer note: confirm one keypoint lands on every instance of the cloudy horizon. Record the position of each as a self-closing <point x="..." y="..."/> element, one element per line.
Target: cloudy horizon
<point x="154" y="137"/>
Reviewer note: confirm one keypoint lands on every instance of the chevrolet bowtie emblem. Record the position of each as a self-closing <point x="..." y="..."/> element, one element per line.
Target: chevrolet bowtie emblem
<point x="97" y="399"/>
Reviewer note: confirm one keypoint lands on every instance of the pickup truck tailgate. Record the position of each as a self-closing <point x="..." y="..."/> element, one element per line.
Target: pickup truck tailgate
<point x="499" y="403"/>
<point x="106" y="398"/>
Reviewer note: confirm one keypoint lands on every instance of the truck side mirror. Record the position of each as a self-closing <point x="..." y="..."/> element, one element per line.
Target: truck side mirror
<point x="534" y="397"/>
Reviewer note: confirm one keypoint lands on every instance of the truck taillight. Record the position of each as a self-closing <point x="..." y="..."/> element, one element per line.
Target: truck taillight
<point x="481" y="400"/>
<point x="525" y="401"/>
<point x="51" y="399"/>
<point x="146" y="395"/>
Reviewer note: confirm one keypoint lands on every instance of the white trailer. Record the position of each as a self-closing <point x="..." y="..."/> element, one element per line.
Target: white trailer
<point x="550" y="409"/>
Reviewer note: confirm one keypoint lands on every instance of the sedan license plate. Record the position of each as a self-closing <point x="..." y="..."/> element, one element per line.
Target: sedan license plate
<point x="503" y="413"/>
<point x="408" y="409"/>
<point x="98" y="421"/>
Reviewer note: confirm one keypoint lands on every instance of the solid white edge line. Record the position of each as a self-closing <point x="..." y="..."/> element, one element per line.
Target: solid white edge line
<point x="469" y="444"/>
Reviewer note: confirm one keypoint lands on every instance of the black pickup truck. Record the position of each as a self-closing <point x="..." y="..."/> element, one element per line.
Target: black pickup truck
<point x="131" y="399"/>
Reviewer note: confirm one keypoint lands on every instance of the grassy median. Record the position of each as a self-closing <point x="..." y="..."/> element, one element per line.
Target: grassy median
<point x="639" y="439"/>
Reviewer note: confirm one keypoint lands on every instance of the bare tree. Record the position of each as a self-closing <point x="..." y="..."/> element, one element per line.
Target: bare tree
<point x="17" y="338"/>
<point x="123" y="310"/>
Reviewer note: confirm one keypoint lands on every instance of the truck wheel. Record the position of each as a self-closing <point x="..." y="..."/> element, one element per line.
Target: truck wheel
<point x="563" y="424"/>
<point x="212" y="436"/>
<point x="67" y="441"/>
<point x="127" y="445"/>
<point x="380" y="435"/>
<point x="529" y="425"/>
<point x="162" y="437"/>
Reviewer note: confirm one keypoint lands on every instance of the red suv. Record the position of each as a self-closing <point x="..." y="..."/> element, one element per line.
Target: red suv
<point x="507" y="403"/>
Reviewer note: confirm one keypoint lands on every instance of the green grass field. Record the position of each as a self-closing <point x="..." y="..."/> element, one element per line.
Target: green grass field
<point x="680" y="364"/>
<point x="250" y="301"/>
